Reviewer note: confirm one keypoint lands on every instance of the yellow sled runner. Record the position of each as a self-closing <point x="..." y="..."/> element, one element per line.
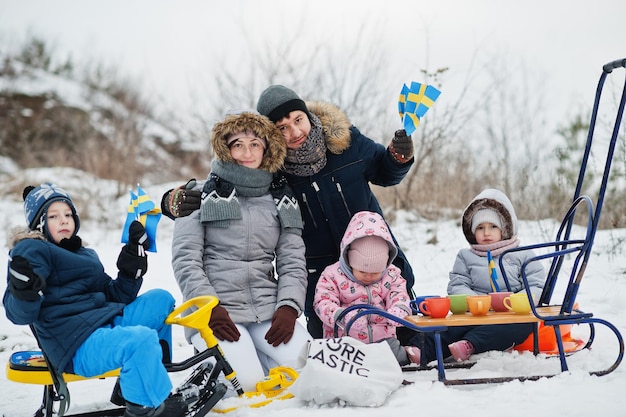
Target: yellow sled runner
<point x="272" y="387"/>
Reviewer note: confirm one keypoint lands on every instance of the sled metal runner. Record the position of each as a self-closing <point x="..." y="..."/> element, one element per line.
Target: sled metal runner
<point x="555" y="314"/>
<point x="442" y="365"/>
<point x="203" y="381"/>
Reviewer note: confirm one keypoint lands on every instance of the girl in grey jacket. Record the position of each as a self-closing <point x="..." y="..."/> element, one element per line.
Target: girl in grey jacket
<point x="244" y="246"/>
<point x="489" y="224"/>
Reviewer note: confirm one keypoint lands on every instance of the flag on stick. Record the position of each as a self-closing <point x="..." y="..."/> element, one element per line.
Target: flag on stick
<point x="414" y="102"/>
<point x="492" y="273"/>
<point x="144" y="210"/>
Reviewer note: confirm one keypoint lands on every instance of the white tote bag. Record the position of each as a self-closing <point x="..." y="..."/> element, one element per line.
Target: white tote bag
<point x="348" y="370"/>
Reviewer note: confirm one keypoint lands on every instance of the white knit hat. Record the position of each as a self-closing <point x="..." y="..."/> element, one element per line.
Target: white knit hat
<point x="369" y="254"/>
<point x="486" y="215"/>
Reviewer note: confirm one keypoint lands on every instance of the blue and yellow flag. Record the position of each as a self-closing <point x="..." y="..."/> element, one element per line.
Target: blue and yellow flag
<point x="413" y="103"/>
<point x="144" y="204"/>
<point x="493" y="275"/>
<point x="131" y="215"/>
<point x="143" y="209"/>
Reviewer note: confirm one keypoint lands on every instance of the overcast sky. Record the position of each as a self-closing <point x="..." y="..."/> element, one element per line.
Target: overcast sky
<point x="566" y="42"/>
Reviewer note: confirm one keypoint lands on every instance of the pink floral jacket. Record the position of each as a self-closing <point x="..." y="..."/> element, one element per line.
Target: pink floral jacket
<point x="337" y="288"/>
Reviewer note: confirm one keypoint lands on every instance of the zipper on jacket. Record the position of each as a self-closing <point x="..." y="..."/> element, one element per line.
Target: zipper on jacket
<point x="308" y="207"/>
<point x="319" y="201"/>
<point x="343" y="198"/>
<point x="370" y="330"/>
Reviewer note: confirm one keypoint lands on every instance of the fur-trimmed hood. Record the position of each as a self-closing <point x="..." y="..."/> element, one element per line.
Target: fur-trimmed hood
<point x="335" y="124"/>
<point x="261" y="127"/>
<point x="495" y="200"/>
<point x="367" y="223"/>
<point x="21" y="233"/>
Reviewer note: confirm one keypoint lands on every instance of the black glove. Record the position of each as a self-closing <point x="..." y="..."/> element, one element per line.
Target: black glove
<point x="181" y="201"/>
<point x="282" y="327"/>
<point x="133" y="261"/>
<point x="24" y="283"/>
<point x="222" y="325"/>
<point x="401" y="147"/>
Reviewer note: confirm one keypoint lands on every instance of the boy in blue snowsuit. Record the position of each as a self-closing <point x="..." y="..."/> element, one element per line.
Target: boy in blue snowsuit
<point x="87" y="322"/>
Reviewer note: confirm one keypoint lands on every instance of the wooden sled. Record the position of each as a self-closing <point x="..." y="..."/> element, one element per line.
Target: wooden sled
<point x="436" y="326"/>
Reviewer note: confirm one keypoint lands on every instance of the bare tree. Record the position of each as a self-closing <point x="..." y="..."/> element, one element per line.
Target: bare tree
<point x="431" y="180"/>
<point x="357" y="74"/>
<point x="515" y="137"/>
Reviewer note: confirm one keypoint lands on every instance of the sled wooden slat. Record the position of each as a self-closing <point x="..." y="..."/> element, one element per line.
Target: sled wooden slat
<point x="492" y="317"/>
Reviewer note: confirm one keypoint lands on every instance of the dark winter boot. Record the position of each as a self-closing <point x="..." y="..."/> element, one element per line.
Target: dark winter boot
<point x="116" y="395"/>
<point x="136" y="410"/>
<point x="173" y="406"/>
<point x="167" y="352"/>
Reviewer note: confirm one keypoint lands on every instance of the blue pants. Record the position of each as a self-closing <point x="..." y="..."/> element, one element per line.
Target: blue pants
<point x="484" y="338"/>
<point x="131" y="343"/>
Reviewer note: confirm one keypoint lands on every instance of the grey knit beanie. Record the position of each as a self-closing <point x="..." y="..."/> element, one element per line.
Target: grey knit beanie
<point x="278" y="101"/>
<point x="486" y="215"/>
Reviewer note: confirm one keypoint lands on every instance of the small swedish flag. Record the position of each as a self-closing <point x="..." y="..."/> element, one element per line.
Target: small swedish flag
<point x="413" y="103"/>
<point x="143" y="209"/>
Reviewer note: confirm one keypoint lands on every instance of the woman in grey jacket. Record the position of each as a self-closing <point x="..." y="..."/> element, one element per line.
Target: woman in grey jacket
<point x="489" y="224"/>
<point x="244" y="246"/>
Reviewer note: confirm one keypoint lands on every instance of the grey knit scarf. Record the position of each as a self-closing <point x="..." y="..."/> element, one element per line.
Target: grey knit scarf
<point x="496" y="248"/>
<point x="310" y="158"/>
<point x="227" y="180"/>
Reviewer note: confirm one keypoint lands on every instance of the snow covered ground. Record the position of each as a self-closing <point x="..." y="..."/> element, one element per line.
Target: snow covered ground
<point x="571" y="394"/>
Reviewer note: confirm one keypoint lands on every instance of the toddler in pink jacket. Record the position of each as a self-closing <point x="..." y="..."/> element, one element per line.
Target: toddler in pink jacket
<point x="364" y="274"/>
